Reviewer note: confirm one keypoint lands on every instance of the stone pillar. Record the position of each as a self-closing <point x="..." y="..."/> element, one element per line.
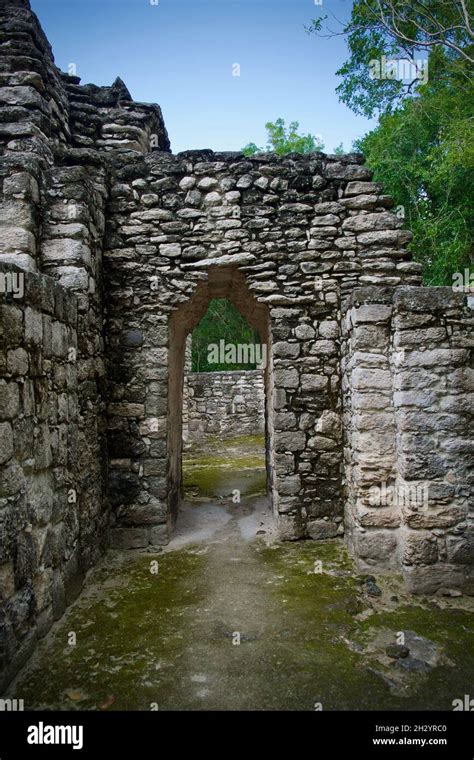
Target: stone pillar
<point x="306" y="399"/>
<point x="433" y="337"/>
<point x="370" y="434"/>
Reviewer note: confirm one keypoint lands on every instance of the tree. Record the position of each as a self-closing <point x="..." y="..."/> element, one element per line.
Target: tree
<point x="283" y="140"/>
<point x="222" y="321"/>
<point x="423" y="153"/>
<point x="404" y="32"/>
<point x="423" y="148"/>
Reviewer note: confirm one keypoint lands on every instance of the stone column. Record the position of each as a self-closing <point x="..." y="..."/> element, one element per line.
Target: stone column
<point x="372" y="520"/>
<point x="432" y="341"/>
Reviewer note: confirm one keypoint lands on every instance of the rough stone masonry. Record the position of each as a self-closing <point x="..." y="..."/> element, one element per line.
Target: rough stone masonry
<point x="119" y="245"/>
<point x="223" y="404"/>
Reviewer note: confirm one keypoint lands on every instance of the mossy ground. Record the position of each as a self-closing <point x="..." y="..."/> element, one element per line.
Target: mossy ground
<point x="308" y="633"/>
<point x="305" y="637"/>
<point x="216" y="468"/>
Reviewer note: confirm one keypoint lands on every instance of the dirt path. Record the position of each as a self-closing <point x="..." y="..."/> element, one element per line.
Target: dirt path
<point x="235" y="614"/>
<point x="234" y="620"/>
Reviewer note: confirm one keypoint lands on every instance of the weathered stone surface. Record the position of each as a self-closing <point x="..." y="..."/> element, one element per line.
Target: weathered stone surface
<point x="321" y="529"/>
<point x="428" y="580"/>
<point x="289" y="441"/>
<point x="377" y="548"/>
<point x="122" y="245"/>
<point x="420" y="549"/>
<point x="6" y="442"/>
<point x="223" y="403"/>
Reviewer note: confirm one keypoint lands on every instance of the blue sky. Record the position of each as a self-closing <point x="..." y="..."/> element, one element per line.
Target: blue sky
<point x="181" y="54"/>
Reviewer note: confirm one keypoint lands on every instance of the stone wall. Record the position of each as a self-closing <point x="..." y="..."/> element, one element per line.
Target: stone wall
<point x="52" y="217"/>
<point x="283" y="238"/>
<point x="224" y="404"/>
<point x="52" y="222"/>
<point x="408" y="398"/>
<point x="41" y="507"/>
<point x="123" y="245"/>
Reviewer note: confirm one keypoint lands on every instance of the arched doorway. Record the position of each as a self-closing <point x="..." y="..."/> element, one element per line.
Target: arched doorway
<point x="220" y="283"/>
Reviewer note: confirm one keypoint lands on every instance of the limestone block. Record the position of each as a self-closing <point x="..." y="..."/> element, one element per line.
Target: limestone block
<point x="313" y="383"/>
<point x="384" y="237"/>
<point x="6" y="442"/>
<point x="17" y="361"/>
<point x="371" y="379"/>
<point x="67" y="250"/>
<point x="321" y="443"/>
<point x="371" y="312"/>
<point x="33" y="327"/>
<point x="170" y="249"/>
<point x="15" y="241"/>
<point x="187" y="183"/>
<point x="12" y="316"/>
<point x="439" y="357"/>
<point x="356" y="188"/>
<point x="377" y="548"/>
<point x="290" y="528"/>
<point x="460" y="549"/>
<point x="207" y="183"/>
<point x="427" y="580"/>
<point x="286" y="350"/>
<point x="286" y="378"/>
<point x="72" y="277"/>
<point x="9" y="399"/>
<point x="285" y="421"/>
<point x="420" y="548"/>
<point x="22" y="96"/>
<point x="321" y="529"/>
<point x="289" y="441"/>
<point x="347" y="171"/>
<point x="289" y="485"/>
<point x="369" y="337"/>
<point x="382" y="220"/>
<point x="305" y="332"/>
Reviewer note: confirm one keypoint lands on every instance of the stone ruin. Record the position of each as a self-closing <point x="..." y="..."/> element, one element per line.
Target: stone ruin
<point x="111" y="248"/>
<point x="225" y="404"/>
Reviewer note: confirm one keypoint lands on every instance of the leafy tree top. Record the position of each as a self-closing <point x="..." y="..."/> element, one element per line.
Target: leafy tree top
<point x="401" y="30"/>
<point x="221" y="322"/>
<point x="282" y="140"/>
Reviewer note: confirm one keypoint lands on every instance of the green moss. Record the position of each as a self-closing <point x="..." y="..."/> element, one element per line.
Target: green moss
<point x="237" y="462"/>
<point x="306" y="636"/>
<point x="331" y="606"/>
<point x="451" y="629"/>
<point x="209" y="482"/>
<point x="122" y="636"/>
<point x="129" y="636"/>
<point x="220" y="467"/>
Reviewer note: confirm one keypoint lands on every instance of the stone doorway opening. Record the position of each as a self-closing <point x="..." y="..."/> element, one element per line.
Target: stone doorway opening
<point x="211" y="412"/>
<point x="224" y="409"/>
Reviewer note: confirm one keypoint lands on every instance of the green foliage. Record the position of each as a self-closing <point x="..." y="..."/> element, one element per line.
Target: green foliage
<point x="222" y="321"/>
<point x="398" y="29"/>
<point x="283" y="140"/>
<point x="422" y="151"/>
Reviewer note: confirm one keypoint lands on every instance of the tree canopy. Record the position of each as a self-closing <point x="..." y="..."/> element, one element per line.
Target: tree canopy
<point x="222" y="321"/>
<point x="282" y="140"/>
<point x="422" y="151"/>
